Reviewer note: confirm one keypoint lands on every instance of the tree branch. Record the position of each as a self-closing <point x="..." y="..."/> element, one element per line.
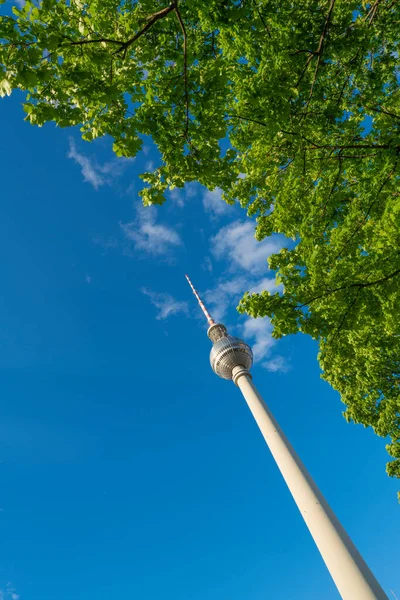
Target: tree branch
<point x="372" y="12"/>
<point x="185" y="78"/>
<point x="123" y="46"/>
<point x="332" y="190"/>
<point x="346" y="312"/>
<point x="357" y="229"/>
<point x="385" y="112"/>
<point x="151" y="20"/>
<point x="97" y="41"/>
<point x="318" y="53"/>
<point x="246" y="119"/>
<point x="379" y="146"/>
<point x="262" y="20"/>
<point x="349" y="285"/>
<point x="320" y="50"/>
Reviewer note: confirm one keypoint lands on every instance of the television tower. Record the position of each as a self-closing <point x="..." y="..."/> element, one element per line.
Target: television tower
<point x="231" y="358"/>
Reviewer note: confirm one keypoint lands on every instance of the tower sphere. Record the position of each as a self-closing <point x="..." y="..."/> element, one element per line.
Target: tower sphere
<point x="229" y="352"/>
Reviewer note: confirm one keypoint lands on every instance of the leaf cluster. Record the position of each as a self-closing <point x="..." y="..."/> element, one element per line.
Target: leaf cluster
<point x="307" y="95"/>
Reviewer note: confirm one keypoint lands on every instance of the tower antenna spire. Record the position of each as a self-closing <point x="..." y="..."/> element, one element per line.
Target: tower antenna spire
<point x="201" y="303"/>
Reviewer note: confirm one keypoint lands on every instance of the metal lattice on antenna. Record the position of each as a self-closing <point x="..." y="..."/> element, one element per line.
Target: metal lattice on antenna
<point x="207" y="315"/>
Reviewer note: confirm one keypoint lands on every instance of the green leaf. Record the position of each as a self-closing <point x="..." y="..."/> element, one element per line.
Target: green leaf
<point x="5" y="88"/>
<point x="312" y="141"/>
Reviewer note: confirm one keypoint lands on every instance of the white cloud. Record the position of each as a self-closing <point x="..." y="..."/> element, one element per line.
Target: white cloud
<point x="213" y="203"/>
<point x="236" y="243"/>
<point x="94" y="173"/>
<point x="207" y="264"/>
<point x="89" y="171"/>
<point x="228" y="292"/>
<point x="88" y="279"/>
<point x="177" y="195"/>
<point x="226" y="295"/>
<point x="180" y="195"/>
<point x="166" y="304"/>
<point x="9" y="592"/>
<point x="276" y="364"/>
<point x="105" y="243"/>
<point x="260" y="330"/>
<point x="265" y="283"/>
<point x="149" y="236"/>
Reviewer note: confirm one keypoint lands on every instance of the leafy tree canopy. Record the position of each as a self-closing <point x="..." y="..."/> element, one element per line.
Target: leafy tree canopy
<point x="307" y="93"/>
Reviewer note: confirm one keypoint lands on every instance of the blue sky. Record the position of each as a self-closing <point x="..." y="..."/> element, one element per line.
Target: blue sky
<point x="128" y="469"/>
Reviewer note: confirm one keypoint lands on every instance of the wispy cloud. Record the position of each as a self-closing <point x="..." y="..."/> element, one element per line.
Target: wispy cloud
<point x="165" y="304"/>
<point x="9" y="592"/>
<point x="149" y="236"/>
<point x="94" y="173"/>
<point x="106" y="243"/>
<point x="180" y="195"/>
<point x="277" y="364"/>
<point x="207" y="264"/>
<point x="260" y="331"/>
<point x="248" y="271"/>
<point x="236" y="243"/>
<point x="230" y="290"/>
<point x="90" y="173"/>
<point x="214" y="205"/>
<point x="225" y="295"/>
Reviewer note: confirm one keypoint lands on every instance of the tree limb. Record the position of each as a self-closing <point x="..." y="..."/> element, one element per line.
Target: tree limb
<point x="262" y="20"/>
<point x="335" y="147"/>
<point x="246" y="119"/>
<point x="151" y="20"/>
<point x="320" y="49"/>
<point x="357" y="229"/>
<point x="346" y="312"/>
<point x="97" y="41"/>
<point x="372" y="12"/>
<point x="385" y="112"/>
<point x="318" y="53"/>
<point x="185" y="78"/>
<point x="349" y="285"/>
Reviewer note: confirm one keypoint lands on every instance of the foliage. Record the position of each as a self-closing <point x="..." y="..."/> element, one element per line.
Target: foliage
<point x="306" y="93"/>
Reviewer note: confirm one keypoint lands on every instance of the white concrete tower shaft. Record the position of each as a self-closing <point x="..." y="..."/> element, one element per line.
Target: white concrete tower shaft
<point x="231" y="358"/>
<point x="352" y="576"/>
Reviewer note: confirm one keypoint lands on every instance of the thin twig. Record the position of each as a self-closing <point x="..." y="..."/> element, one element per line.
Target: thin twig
<point x="364" y="220"/>
<point x="320" y="50"/>
<point x="245" y="119"/>
<point x="262" y="20"/>
<point x="332" y="188"/>
<point x="379" y="146"/>
<point x="346" y="312"/>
